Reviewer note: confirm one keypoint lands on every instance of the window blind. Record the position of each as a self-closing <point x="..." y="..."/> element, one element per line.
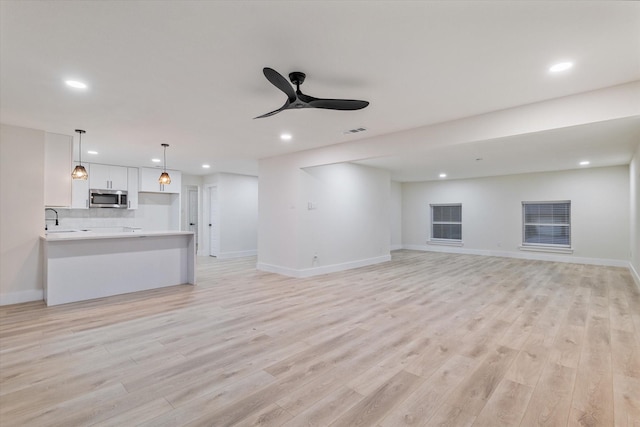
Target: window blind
<point x="446" y="222"/>
<point x="547" y="223"/>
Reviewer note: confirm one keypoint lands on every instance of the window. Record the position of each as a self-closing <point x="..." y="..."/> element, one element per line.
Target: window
<point x="446" y="223"/>
<point x="546" y="224"/>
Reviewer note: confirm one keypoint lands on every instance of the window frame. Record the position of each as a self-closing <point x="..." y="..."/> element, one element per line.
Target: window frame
<point x="527" y="245"/>
<point x="439" y="240"/>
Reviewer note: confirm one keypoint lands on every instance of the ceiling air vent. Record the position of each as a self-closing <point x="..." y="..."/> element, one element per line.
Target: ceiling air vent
<point x="356" y="130"/>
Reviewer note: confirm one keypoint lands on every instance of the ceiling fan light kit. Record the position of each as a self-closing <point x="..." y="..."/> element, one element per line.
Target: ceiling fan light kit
<point x="296" y="99"/>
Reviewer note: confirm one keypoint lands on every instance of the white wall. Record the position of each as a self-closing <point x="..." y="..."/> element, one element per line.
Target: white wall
<point x="492" y="212"/>
<point x="278" y="204"/>
<point x="238" y="207"/>
<point x="396" y="215"/>
<point x="321" y="219"/>
<point x="237" y="221"/>
<point x="22" y="213"/>
<point x="348" y="219"/>
<point x="634" y="190"/>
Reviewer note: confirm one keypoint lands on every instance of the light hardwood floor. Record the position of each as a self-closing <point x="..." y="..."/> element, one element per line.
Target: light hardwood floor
<point x="426" y="339"/>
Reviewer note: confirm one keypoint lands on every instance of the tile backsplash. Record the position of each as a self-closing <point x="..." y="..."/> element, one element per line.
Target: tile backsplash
<point x="155" y="212"/>
<point x="95" y="217"/>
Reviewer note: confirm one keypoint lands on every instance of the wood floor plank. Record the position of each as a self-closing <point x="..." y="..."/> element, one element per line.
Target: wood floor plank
<point x="530" y="361"/>
<point x="425" y="339"/>
<point x="518" y="332"/>
<point x="451" y="416"/>
<point x="273" y="415"/>
<point x="592" y="402"/>
<point x="325" y="411"/>
<point x="421" y="405"/>
<point x="474" y="392"/>
<point x="377" y="404"/>
<point x="204" y="406"/>
<point x="567" y="346"/>
<point x="626" y="401"/>
<point x="625" y="352"/>
<point x="550" y="403"/>
<point x="506" y="406"/>
<point x="137" y="415"/>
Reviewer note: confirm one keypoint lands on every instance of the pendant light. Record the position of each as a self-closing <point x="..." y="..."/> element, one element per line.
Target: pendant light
<point x="79" y="172"/>
<point x="164" y="176"/>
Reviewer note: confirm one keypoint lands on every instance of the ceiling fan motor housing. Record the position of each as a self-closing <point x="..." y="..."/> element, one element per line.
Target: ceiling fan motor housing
<point x="297" y="77"/>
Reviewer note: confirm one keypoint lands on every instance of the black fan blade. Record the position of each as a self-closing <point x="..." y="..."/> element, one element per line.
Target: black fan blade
<point x="284" y="107"/>
<point x="338" y="104"/>
<point x="280" y="82"/>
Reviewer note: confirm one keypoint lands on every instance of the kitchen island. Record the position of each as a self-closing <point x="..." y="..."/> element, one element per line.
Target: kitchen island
<point x="82" y="265"/>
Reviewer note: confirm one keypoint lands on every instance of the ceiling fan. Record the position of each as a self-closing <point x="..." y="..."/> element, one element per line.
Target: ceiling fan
<point x="296" y="99"/>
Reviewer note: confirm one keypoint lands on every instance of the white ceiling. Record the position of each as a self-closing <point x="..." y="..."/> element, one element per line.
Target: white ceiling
<point x="605" y="143"/>
<point x="189" y="73"/>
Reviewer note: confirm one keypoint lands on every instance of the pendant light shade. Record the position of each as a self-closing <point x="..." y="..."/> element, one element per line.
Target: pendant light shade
<point x="164" y="176"/>
<point x="79" y="172"/>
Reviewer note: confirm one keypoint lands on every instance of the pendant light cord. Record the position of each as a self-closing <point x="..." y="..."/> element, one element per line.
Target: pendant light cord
<point x="164" y="169"/>
<point x="80" y="132"/>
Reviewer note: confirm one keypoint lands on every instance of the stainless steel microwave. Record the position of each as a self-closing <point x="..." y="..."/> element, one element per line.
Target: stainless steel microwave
<point x="108" y="199"/>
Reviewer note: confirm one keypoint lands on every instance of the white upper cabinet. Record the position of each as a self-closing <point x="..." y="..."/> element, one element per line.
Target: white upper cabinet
<point x="132" y="190"/>
<point x="149" y="181"/>
<point x="108" y="177"/>
<point x="58" y="151"/>
<point x="80" y="190"/>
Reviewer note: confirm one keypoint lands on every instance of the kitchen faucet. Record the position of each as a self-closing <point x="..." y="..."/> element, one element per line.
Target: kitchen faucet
<point x="45" y="217"/>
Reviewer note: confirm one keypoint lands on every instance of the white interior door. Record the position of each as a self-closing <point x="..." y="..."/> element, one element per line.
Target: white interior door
<point x="214" y="220"/>
<point x="192" y="212"/>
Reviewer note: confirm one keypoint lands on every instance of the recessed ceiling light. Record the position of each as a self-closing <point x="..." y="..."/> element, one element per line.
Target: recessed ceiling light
<point x="156" y="160"/>
<point x="285" y="137"/>
<point x="443" y="175"/>
<point x="92" y="152"/>
<point x="585" y="163"/>
<point x="206" y="166"/>
<point x="76" y="84"/>
<point x="560" y="66"/>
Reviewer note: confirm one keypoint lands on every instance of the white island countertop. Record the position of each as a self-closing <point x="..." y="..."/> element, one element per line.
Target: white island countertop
<point x="86" y="235"/>
<point x="81" y="265"/>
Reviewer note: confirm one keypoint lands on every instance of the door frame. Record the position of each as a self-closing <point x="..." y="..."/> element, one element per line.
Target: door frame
<point x="186" y="221"/>
<point x="208" y="220"/>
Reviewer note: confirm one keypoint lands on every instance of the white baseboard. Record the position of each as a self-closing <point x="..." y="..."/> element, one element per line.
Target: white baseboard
<point x="270" y="268"/>
<point x="396" y="247"/>
<point x="237" y="254"/>
<point x="634" y="274"/>
<point x="315" y="271"/>
<point x="21" y="296"/>
<point x="522" y="255"/>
